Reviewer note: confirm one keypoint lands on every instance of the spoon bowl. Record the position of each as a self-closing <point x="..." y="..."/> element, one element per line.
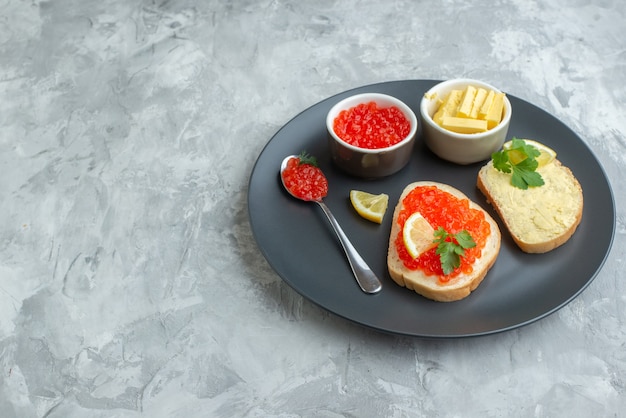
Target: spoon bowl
<point x="365" y="277"/>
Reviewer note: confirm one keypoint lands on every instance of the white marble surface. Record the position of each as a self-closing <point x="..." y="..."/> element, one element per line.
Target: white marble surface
<point x="130" y="282"/>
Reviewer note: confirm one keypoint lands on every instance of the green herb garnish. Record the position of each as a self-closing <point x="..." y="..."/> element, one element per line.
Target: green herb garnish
<point x="451" y="247"/>
<point x="520" y="160"/>
<point x="306" y="158"/>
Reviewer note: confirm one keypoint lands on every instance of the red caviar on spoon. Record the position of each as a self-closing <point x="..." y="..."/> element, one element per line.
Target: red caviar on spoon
<point x="304" y="180"/>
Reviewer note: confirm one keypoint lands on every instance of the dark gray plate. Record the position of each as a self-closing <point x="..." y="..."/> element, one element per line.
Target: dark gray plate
<point x="299" y="244"/>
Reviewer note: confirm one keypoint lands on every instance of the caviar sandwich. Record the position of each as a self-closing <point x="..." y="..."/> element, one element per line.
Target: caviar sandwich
<point x="442" y="244"/>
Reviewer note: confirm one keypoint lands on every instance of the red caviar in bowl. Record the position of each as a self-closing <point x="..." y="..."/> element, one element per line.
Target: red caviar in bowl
<point x="440" y="208"/>
<point x="369" y="126"/>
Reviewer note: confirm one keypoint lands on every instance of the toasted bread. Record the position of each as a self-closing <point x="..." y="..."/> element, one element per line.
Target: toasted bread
<point x="540" y="218"/>
<point x="430" y="286"/>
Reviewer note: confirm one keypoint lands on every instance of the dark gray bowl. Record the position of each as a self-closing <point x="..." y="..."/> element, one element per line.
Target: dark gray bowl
<point x="364" y="162"/>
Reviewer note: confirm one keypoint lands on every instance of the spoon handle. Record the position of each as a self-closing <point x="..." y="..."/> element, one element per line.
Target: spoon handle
<point x="365" y="277"/>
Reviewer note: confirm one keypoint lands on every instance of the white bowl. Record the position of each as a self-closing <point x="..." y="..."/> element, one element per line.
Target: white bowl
<point x="456" y="147"/>
<point x="366" y="162"/>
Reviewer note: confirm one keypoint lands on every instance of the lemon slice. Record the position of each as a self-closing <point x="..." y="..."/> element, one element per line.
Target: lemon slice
<point x="418" y="235"/>
<point x="546" y="157"/>
<point x="370" y="206"/>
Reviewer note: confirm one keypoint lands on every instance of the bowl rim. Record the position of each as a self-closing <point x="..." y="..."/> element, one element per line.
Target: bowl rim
<point x="427" y="118"/>
<point x="363" y="98"/>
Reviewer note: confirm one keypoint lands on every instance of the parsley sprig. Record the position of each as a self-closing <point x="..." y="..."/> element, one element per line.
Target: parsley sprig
<point x="524" y="172"/>
<point x="451" y="247"/>
<point x="306" y="158"/>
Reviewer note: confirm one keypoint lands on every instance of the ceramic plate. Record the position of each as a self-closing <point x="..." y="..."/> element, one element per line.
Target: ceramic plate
<point x="301" y="247"/>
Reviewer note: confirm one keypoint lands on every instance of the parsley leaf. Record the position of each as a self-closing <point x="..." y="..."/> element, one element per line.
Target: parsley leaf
<point x="524" y="174"/>
<point x="306" y="158"/>
<point x="520" y="160"/>
<point x="451" y="247"/>
<point x="501" y="161"/>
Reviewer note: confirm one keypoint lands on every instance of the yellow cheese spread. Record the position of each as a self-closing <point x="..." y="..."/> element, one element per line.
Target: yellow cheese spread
<point x="538" y="213"/>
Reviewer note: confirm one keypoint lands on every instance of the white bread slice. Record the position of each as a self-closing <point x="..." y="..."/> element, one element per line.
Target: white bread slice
<point x="431" y="287"/>
<point x="539" y="218"/>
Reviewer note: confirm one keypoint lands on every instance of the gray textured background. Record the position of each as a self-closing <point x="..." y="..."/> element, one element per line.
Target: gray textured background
<point x="128" y="132"/>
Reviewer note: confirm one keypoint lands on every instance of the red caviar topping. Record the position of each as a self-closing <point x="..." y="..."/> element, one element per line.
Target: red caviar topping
<point x="440" y="208"/>
<point x="368" y="126"/>
<point x="305" y="180"/>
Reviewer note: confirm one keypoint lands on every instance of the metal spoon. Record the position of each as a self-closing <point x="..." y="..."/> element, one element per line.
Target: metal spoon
<point x="364" y="276"/>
